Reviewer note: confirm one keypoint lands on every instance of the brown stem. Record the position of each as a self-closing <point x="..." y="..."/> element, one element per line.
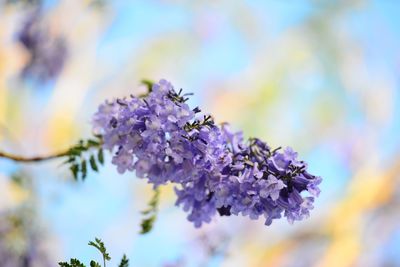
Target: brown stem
<point x="32" y="159"/>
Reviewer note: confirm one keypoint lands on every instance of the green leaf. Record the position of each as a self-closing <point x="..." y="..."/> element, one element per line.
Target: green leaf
<point x="74" y="152"/>
<point x="74" y="169"/>
<point x="69" y="160"/>
<point x="124" y="262"/>
<point x="100" y="156"/>
<point x="148" y="83"/>
<point x="94" y="264"/>
<point x="154" y="201"/>
<point x="76" y="263"/>
<point x="100" y="247"/>
<point x="72" y="263"/>
<point x="77" y="150"/>
<point x="145" y="212"/>
<point x="91" y="143"/>
<point x="93" y="164"/>
<point x="83" y="169"/>
<point x="148" y="223"/>
<point x="78" y="156"/>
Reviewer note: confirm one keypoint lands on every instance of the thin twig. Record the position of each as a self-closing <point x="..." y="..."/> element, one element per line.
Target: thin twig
<point x="32" y="159"/>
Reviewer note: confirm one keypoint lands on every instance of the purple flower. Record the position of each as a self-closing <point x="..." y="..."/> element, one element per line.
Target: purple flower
<point x="47" y="53"/>
<point x="214" y="169"/>
<point x="265" y="182"/>
<point x="124" y="161"/>
<point x="271" y="187"/>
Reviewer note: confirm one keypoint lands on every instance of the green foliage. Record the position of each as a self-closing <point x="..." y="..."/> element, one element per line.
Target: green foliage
<point x="148" y="83"/>
<point x="147" y="224"/>
<point x="99" y="245"/>
<point x="150" y="213"/>
<point x="85" y="151"/>
<point x="75" y="170"/>
<point x="124" y="262"/>
<point x="72" y="263"/>
<point x="83" y="169"/>
<point x="93" y="164"/>
<point x="94" y="264"/>
<point x="100" y="156"/>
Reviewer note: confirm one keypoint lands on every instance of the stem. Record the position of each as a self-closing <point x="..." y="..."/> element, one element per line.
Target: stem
<point x="32" y="159"/>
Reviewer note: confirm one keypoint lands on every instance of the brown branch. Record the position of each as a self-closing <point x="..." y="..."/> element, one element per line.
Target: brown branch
<point x="32" y="159"/>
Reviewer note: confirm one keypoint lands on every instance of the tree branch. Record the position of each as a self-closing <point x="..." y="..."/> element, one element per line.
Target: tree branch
<point x="32" y="159"/>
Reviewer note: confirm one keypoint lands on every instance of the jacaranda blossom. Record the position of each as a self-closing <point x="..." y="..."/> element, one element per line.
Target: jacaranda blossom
<point x="47" y="52"/>
<point x="215" y="171"/>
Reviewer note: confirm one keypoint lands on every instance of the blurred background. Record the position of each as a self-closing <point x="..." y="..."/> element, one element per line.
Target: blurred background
<point x="320" y="76"/>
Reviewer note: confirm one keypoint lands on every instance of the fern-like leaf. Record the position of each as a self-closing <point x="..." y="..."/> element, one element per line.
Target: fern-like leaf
<point x="100" y="247"/>
<point x="124" y="262"/>
<point x="72" y="263"/>
<point x="151" y="213"/>
<point x="94" y="264"/>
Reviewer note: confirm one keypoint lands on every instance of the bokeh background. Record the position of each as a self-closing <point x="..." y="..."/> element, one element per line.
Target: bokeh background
<point x="320" y="76"/>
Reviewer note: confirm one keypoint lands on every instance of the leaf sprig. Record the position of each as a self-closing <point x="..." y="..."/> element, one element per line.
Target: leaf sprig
<point x="150" y="213"/>
<point x="72" y="263"/>
<point x="148" y="83"/>
<point x="99" y="245"/>
<point x="124" y="262"/>
<point x="88" y="152"/>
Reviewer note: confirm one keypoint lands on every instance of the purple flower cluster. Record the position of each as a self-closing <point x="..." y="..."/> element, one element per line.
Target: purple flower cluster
<point x="160" y="138"/>
<point x="47" y="53"/>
